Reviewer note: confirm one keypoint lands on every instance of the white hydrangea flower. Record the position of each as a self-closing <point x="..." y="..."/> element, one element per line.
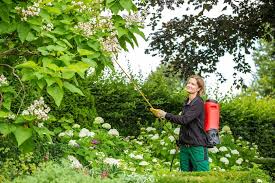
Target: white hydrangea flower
<point x="223" y="149"/>
<point x="177" y="131"/>
<point x="40" y="125"/>
<point x="213" y="150"/>
<point x="172" y="139"/>
<point x="76" y="126"/>
<point x="173" y="151"/>
<point x="210" y="160"/>
<point x="98" y="120"/>
<point x="143" y="163"/>
<point x="3" y="80"/>
<point x="70" y="133"/>
<point x="106" y="126"/>
<point x="235" y="151"/>
<point x="228" y="155"/>
<point x="155" y="137"/>
<point x="224" y="160"/>
<point x="112" y="161"/>
<point x="139" y="142"/>
<point x="73" y="143"/>
<point x="162" y="142"/>
<point x="239" y="161"/>
<point x="86" y="133"/>
<point x="155" y="160"/>
<point x="150" y="129"/>
<point x="139" y="156"/>
<point x="131" y="155"/>
<point x="75" y="163"/>
<point x="259" y="181"/>
<point x="62" y="134"/>
<point x="113" y="132"/>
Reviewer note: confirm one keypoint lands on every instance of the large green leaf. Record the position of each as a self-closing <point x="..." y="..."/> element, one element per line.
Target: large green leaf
<point x="23" y="30"/>
<point x="6" y="128"/>
<point x="22" y="134"/>
<point x="28" y="64"/>
<point x="72" y="88"/>
<point x="56" y="92"/>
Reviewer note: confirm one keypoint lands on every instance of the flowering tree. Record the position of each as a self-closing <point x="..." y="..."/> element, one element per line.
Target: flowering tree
<point x="50" y="45"/>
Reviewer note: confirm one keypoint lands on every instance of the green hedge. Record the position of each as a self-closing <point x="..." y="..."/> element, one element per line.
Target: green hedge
<point x="252" y="118"/>
<point x="255" y="175"/>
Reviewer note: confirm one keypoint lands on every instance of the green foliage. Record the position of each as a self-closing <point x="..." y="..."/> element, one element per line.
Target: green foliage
<point x="265" y="61"/>
<point x="195" y="42"/>
<point x="255" y="175"/>
<point x="252" y="118"/>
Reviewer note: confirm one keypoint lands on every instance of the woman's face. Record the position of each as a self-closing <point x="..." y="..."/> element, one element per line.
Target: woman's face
<point x="192" y="86"/>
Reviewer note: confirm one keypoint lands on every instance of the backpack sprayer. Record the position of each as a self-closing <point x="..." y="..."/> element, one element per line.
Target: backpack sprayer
<point x="211" y="123"/>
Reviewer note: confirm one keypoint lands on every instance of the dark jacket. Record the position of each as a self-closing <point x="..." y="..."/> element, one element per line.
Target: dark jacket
<point x="192" y="123"/>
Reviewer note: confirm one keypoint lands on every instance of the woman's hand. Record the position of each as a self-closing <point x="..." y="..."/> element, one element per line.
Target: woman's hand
<point x="158" y="112"/>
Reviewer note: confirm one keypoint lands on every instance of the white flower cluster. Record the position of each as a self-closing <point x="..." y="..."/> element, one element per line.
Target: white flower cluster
<point x="113" y="132"/>
<point x="11" y="116"/>
<point x="73" y="143"/>
<point x="239" y="161"/>
<point x="81" y="6"/>
<point x="223" y="149"/>
<point x="155" y="137"/>
<point x="48" y="27"/>
<point x="112" y="161"/>
<point x="171" y="138"/>
<point x="143" y="163"/>
<point x="69" y="133"/>
<point x="98" y="120"/>
<point x="213" y="150"/>
<point x="30" y="11"/>
<point x="90" y="71"/>
<point x="75" y="163"/>
<point x="150" y="129"/>
<point x="111" y="44"/>
<point x="38" y="109"/>
<point x="133" y="18"/>
<point x="86" y="27"/>
<point x="177" y="131"/>
<point x="139" y="156"/>
<point x="235" y="152"/>
<point x="86" y="133"/>
<point x="173" y="151"/>
<point x="106" y="126"/>
<point x="224" y="160"/>
<point x="3" y="80"/>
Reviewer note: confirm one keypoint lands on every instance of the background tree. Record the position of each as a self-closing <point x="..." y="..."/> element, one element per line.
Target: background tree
<point x="265" y="61"/>
<point x="194" y="43"/>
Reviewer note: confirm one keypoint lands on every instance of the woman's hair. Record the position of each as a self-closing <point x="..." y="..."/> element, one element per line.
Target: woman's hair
<point x="200" y="83"/>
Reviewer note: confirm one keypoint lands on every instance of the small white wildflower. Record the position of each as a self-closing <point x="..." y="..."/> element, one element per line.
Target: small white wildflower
<point x="113" y="132"/>
<point x="259" y="181"/>
<point x="90" y="71"/>
<point x="106" y="126"/>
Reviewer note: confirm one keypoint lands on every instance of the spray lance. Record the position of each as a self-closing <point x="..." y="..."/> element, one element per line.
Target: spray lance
<point x="152" y="109"/>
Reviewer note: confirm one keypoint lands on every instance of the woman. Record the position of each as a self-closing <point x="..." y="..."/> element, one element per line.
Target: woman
<point x="192" y="138"/>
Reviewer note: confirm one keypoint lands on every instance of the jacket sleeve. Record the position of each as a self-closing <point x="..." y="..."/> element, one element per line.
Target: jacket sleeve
<point x="188" y="116"/>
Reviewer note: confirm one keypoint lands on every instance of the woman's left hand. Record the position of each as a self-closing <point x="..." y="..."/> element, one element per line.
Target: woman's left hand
<point x="158" y="112"/>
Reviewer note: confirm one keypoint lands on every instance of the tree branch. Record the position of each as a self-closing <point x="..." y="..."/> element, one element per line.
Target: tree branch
<point x="22" y="86"/>
<point x="15" y="51"/>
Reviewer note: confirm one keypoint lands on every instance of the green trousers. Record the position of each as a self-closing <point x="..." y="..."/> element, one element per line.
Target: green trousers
<point x="194" y="158"/>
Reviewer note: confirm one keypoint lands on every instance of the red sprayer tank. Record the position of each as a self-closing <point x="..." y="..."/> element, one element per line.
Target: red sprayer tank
<point x="212" y="115"/>
<point x="212" y="121"/>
